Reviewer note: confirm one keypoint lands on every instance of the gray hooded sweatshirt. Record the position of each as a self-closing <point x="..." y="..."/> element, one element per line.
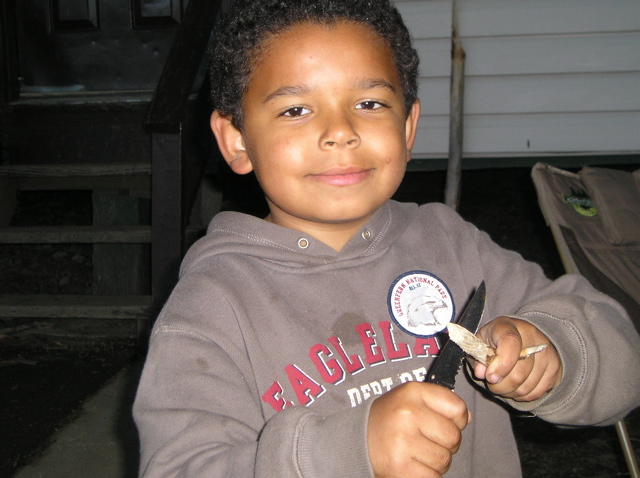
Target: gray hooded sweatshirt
<point x="273" y="346"/>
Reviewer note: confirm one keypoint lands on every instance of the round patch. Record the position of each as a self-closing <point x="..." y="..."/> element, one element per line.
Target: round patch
<point x="420" y="303"/>
<point x="581" y="202"/>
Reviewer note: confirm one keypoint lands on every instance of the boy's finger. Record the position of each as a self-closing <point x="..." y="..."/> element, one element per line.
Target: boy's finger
<point x="441" y="432"/>
<point x="543" y="377"/>
<point x="479" y="369"/>
<point x="433" y="457"/>
<point x="506" y="339"/>
<point x="516" y="383"/>
<point x="446" y="403"/>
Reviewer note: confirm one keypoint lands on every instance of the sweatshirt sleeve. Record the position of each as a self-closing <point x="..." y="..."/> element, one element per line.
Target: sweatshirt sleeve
<point x="597" y="342"/>
<point x="198" y="409"/>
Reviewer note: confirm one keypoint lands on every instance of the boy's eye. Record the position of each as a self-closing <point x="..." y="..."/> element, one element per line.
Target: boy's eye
<point x="296" y="111"/>
<point x="370" y="105"/>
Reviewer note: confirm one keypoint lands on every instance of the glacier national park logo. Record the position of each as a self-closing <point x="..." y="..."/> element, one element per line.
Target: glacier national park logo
<point x="420" y="303"/>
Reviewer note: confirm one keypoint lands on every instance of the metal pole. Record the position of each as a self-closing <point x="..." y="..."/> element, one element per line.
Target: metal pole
<point x="456" y="116"/>
<point x="627" y="449"/>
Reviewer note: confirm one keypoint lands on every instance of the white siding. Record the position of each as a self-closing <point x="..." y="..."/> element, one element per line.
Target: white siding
<point x="543" y="77"/>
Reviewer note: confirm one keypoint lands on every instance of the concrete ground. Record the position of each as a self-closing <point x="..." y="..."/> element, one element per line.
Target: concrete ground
<point x="102" y="442"/>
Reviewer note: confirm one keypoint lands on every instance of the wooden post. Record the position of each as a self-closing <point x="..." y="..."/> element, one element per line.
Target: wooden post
<point x="8" y="200"/>
<point x="167" y="220"/>
<point x="456" y="116"/>
<point x="120" y="269"/>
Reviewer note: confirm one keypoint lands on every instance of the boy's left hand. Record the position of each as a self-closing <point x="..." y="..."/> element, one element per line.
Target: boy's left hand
<point x="521" y="380"/>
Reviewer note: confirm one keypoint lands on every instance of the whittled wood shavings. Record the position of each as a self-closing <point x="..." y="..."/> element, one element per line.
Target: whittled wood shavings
<point x="480" y="351"/>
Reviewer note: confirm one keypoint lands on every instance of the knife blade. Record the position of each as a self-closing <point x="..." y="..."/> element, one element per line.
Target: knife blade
<point x="447" y="364"/>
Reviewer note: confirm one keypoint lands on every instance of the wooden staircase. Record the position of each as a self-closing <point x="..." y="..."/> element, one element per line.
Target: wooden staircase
<point x="144" y="167"/>
<point x="118" y="249"/>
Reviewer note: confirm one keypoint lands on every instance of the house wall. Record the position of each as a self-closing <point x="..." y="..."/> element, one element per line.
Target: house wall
<point x="542" y="78"/>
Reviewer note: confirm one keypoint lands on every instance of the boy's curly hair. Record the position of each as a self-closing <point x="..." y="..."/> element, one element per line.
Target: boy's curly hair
<point x="249" y="23"/>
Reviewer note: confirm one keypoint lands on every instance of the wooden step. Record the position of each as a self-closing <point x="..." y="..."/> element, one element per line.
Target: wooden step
<point x="86" y="183"/>
<point x="95" y="100"/>
<point x="75" y="306"/>
<point x="65" y="177"/>
<point x="74" y="170"/>
<point x="76" y="235"/>
<point x="78" y="177"/>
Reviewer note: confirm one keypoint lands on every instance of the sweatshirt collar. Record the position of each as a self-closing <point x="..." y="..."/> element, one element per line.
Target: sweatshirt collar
<point x="249" y="234"/>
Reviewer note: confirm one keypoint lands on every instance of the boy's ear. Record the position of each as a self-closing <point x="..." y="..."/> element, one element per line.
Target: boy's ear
<point x="411" y="127"/>
<point x="231" y="144"/>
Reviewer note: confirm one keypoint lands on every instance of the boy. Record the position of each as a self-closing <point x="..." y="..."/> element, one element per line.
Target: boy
<point x="297" y="345"/>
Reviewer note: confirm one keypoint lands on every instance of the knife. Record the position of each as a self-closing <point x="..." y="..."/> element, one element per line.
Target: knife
<point x="447" y="364"/>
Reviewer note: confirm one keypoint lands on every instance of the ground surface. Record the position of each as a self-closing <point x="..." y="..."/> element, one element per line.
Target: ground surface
<point x="47" y="368"/>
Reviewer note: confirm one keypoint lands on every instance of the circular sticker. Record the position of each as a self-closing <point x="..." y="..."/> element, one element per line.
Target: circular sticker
<point x="580" y="202"/>
<point x="420" y="303"/>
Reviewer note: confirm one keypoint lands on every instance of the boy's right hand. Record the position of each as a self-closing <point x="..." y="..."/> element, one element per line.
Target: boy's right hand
<point x="415" y="429"/>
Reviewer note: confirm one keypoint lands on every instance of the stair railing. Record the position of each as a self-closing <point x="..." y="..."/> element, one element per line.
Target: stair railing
<point x="175" y="175"/>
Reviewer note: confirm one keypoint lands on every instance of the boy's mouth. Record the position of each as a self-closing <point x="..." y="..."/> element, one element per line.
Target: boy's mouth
<point x="342" y="176"/>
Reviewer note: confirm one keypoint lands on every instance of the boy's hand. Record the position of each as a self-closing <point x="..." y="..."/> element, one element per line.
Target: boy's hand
<point x="414" y="430"/>
<point x="521" y="380"/>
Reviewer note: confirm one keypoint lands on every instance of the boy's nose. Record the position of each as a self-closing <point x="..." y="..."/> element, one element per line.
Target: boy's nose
<point x="339" y="133"/>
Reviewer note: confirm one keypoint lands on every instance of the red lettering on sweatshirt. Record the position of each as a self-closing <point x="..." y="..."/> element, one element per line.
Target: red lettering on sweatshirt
<point x="330" y="370"/>
<point x="352" y="364"/>
<point x="274" y="397"/>
<point x="373" y="354"/>
<point x="333" y="364"/>
<point x="394" y="352"/>
<point x="305" y="387"/>
<point x="425" y="347"/>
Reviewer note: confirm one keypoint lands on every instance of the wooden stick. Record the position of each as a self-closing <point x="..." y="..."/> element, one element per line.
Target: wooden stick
<point x="527" y="352"/>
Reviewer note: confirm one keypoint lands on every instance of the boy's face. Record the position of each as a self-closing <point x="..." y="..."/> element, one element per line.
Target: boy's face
<point x="325" y="128"/>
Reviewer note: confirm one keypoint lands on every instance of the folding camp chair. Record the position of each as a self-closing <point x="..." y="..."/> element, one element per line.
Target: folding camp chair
<point x="594" y="217"/>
